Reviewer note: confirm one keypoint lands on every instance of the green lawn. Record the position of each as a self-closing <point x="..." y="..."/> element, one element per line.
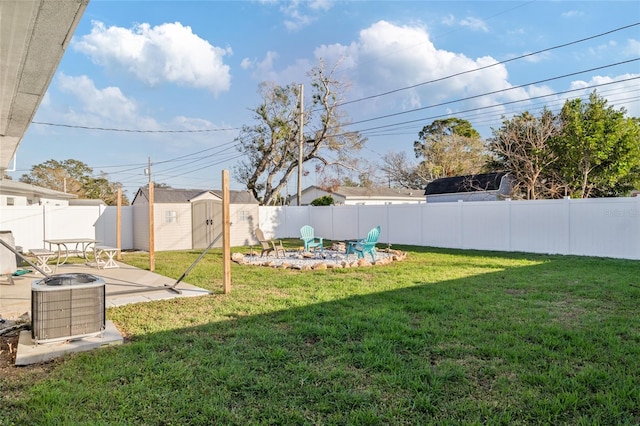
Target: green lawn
<point x="444" y="337"/>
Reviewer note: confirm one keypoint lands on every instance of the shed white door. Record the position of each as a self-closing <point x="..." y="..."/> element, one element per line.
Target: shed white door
<point x="206" y="220"/>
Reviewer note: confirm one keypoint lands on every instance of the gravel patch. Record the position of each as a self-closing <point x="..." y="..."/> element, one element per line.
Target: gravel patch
<point x="329" y="258"/>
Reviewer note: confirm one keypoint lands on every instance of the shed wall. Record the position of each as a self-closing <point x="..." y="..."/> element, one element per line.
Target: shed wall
<point x="172" y="235"/>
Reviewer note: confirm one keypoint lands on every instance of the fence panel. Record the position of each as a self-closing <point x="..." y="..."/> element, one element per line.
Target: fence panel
<point x="345" y="223"/>
<point x="321" y="219"/>
<point x="403" y="223"/>
<point x="540" y="226"/>
<point x="485" y="225"/>
<point x="605" y="227"/>
<point x="272" y="221"/>
<point x="371" y="216"/>
<point x="25" y="224"/>
<point x="106" y="227"/>
<point x="441" y="225"/>
<point x="66" y="222"/>
<point x="297" y="217"/>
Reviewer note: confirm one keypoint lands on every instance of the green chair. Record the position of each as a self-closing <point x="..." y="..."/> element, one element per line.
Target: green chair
<point x="310" y="240"/>
<point x="367" y="245"/>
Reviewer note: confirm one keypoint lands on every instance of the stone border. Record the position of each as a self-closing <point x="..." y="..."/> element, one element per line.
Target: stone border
<point x="334" y="258"/>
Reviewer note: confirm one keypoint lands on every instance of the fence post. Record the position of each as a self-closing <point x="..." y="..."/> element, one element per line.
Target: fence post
<point x="508" y="200"/>
<point x="461" y="229"/>
<point x="567" y="201"/>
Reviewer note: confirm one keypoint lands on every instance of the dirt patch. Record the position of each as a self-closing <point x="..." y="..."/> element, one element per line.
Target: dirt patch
<point x="8" y="348"/>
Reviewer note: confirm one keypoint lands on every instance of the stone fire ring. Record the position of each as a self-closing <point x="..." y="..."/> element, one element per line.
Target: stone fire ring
<point x="331" y="258"/>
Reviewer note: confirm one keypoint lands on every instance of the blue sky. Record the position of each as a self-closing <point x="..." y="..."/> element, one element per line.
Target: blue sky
<point x="178" y="65"/>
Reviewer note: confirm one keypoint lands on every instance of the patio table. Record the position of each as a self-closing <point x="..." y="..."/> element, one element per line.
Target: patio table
<point x="80" y="247"/>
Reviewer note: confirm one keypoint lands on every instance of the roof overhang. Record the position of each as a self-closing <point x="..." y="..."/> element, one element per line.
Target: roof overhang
<point x="33" y="37"/>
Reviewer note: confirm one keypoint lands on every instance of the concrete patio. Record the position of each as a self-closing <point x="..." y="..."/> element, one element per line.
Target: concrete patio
<point x="123" y="285"/>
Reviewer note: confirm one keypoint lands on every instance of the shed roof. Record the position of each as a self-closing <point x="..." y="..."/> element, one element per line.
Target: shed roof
<point x="467" y="183"/>
<point x="176" y="195"/>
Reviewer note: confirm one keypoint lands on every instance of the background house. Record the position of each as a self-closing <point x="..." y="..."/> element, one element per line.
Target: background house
<point x="480" y="187"/>
<point x="15" y="193"/>
<point x="347" y="195"/>
<point x="192" y="218"/>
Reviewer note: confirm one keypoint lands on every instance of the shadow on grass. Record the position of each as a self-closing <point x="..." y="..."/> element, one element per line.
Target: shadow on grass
<point x="554" y="340"/>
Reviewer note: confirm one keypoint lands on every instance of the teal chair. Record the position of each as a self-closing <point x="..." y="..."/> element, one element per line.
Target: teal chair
<point x="310" y="240"/>
<point x="367" y="245"/>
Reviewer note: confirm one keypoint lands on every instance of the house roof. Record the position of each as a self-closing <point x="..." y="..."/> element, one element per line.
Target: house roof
<point x="33" y="37"/>
<point x="20" y="188"/>
<point x="360" y="192"/>
<point x="176" y="195"/>
<point x="87" y="202"/>
<point x="467" y="183"/>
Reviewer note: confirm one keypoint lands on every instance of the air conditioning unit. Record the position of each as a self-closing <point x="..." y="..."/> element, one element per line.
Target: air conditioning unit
<point x="67" y="307"/>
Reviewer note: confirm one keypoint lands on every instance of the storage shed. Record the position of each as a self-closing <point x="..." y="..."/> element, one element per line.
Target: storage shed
<point x="481" y="187"/>
<point x="192" y="218"/>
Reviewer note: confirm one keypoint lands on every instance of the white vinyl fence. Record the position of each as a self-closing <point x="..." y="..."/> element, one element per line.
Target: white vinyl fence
<point x="603" y="227"/>
<point x="30" y="225"/>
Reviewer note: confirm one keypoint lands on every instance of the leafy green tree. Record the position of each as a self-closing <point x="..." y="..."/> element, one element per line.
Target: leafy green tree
<point x="449" y="147"/>
<point x="64" y="176"/>
<point x="271" y="146"/>
<point x="74" y="177"/>
<point x="599" y="149"/>
<point x="325" y="200"/>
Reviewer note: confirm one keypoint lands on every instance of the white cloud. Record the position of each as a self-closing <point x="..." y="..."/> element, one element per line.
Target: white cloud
<point x="632" y="48"/>
<point x="603" y="48"/>
<point x="474" y="24"/>
<point x="573" y="13"/>
<point x="387" y="57"/>
<point x="300" y="13"/>
<point x="169" y="53"/>
<point x="320" y="4"/>
<point x="538" y="57"/>
<point x="265" y="69"/>
<point x="263" y="66"/>
<point x="80" y="102"/>
<point x="109" y="104"/>
<point x="617" y="94"/>
<point x="468" y="22"/>
<point x="449" y="20"/>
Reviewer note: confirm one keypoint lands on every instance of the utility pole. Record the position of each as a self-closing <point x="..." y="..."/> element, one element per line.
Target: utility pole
<point x="152" y="253"/>
<point x="301" y="145"/>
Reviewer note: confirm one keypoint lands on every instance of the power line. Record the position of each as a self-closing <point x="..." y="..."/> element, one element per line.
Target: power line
<point x="494" y="106"/>
<point x="113" y="129"/>
<point x="494" y="92"/>
<point x="488" y="66"/>
<point x="371" y="96"/>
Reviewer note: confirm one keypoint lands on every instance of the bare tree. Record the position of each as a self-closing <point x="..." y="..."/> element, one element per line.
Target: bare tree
<point x="521" y="146"/>
<point x="401" y="172"/>
<point x="272" y="145"/>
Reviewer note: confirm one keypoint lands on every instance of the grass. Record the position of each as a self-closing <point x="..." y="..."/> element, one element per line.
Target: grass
<point x="444" y="337"/>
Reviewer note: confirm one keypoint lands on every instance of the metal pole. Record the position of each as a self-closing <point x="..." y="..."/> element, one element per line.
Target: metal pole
<point x="300" y="145"/>
<point x="17" y="253"/>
